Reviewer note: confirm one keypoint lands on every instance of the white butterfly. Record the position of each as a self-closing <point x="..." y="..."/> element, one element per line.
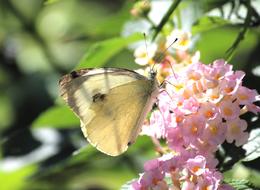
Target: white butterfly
<point x="111" y="104"/>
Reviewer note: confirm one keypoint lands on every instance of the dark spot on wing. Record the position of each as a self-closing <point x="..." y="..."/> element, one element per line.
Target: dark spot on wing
<point x="129" y="143"/>
<point x="171" y="111"/>
<point x="74" y="74"/>
<point x="98" y="97"/>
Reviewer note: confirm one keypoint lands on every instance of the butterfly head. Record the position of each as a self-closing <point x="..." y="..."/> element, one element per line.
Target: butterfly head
<point x="152" y="74"/>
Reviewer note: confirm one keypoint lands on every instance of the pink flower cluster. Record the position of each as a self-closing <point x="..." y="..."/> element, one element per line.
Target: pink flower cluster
<point x="198" y="110"/>
<point x="185" y="172"/>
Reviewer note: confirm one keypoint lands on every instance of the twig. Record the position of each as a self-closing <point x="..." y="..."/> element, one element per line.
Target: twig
<point x="230" y="52"/>
<point x="165" y="18"/>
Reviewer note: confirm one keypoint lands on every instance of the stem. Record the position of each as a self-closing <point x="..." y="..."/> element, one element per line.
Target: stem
<point x="158" y="146"/>
<point x="165" y="18"/>
<point x="231" y="51"/>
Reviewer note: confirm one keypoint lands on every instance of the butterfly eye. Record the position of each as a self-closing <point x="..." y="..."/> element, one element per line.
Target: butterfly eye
<point x="152" y="74"/>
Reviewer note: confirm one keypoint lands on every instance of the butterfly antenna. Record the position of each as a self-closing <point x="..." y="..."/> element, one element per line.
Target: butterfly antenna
<point x="146" y="48"/>
<point x="161" y="55"/>
<point x="145" y="42"/>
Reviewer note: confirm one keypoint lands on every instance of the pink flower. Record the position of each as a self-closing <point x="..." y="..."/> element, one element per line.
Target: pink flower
<point x="188" y="185"/>
<point x="170" y="163"/>
<point x="218" y="69"/>
<point x="196" y="165"/>
<point x="149" y="179"/>
<point x="156" y="128"/>
<point x="230" y="84"/>
<point x="210" y="180"/>
<point x="214" y="132"/>
<point x="192" y="127"/>
<point x="246" y="96"/>
<point x="198" y="110"/>
<point x="175" y="139"/>
<point x="235" y="131"/>
<point x="228" y="109"/>
<point x="209" y="111"/>
<point x="225" y="187"/>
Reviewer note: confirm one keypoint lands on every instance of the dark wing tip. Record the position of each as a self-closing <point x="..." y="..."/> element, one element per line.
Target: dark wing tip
<point x="72" y="75"/>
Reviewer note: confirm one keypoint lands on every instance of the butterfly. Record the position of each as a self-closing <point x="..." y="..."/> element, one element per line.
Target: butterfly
<point x="111" y="103"/>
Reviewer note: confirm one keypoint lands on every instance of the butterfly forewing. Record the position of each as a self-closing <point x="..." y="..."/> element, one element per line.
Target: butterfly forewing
<point x="111" y="104"/>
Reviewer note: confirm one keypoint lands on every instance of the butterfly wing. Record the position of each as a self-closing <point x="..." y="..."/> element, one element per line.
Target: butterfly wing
<point x="111" y="104"/>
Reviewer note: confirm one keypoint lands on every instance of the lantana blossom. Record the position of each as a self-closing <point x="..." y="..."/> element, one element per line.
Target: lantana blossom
<point x="199" y="108"/>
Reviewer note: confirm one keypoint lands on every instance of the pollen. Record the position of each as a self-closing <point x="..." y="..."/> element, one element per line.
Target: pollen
<point x="208" y="114"/>
<point x="227" y="111"/>
<point x="178" y="86"/>
<point x="242" y="96"/>
<point x="179" y="119"/>
<point x="229" y="89"/>
<point x="214" y="96"/>
<point x="194" y="129"/>
<point x="195" y="89"/>
<point x="184" y="42"/>
<point x="234" y="129"/>
<point x="195" y="169"/>
<point x="213" y="130"/>
<point x="155" y="181"/>
<point x="206" y="187"/>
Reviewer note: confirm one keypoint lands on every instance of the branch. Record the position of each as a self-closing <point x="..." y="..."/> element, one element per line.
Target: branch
<point x="241" y="35"/>
<point x="165" y="18"/>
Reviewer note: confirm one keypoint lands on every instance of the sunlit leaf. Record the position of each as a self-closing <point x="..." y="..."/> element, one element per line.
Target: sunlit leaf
<point x="252" y="147"/>
<point x="15" y="179"/>
<point x="50" y="1"/>
<point x="213" y="46"/>
<point x="58" y="116"/>
<point x="101" y="52"/>
<point x="127" y="185"/>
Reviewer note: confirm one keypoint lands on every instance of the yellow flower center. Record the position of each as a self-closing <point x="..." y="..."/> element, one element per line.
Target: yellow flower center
<point x="213" y="129"/>
<point x="227" y="111"/>
<point x="195" y="169"/>
<point x="234" y="129"/>
<point x="229" y="89"/>
<point x="208" y="114"/>
<point x="194" y="129"/>
<point x="242" y="96"/>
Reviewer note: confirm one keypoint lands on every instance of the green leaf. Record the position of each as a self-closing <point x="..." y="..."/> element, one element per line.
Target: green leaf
<point x="213" y="46"/>
<point x="59" y="116"/>
<point x="241" y="184"/>
<point x="207" y="23"/>
<point x="128" y="185"/>
<point x="101" y="52"/>
<point x="252" y="147"/>
<point x="50" y="2"/>
<point x="16" y="179"/>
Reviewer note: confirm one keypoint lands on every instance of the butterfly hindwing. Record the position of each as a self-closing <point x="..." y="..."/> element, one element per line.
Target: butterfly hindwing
<point x="111" y="104"/>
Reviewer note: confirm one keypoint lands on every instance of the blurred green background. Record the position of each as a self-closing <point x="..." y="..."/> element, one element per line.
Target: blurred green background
<point x="41" y="142"/>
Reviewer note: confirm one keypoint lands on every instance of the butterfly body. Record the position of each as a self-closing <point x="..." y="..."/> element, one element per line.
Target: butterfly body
<point x="111" y="104"/>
